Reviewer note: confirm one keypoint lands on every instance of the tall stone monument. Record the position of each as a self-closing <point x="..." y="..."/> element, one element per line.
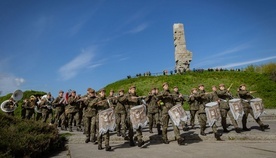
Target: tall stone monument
<point x="183" y="57"/>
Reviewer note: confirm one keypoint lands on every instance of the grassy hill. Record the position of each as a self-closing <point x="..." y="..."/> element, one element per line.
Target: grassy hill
<point x="265" y="87"/>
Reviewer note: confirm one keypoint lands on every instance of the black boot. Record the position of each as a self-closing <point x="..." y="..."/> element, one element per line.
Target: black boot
<point x="217" y="136"/>
<point x="165" y="141"/>
<point x="87" y="140"/>
<point x="237" y="130"/>
<point x="180" y="141"/>
<point x="150" y="131"/>
<point x="108" y="148"/>
<point x="246" y="129"/>
<point x="140" y="143"/>
<point x="159" y="129"/>
<point x="225" y="130"/>
<point x="100" y="147"/>
<point x="202" y="133"/>
<point x="131" y="143"/>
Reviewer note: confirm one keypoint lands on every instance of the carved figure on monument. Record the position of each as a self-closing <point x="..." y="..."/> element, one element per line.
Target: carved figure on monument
<point x="183" y="57"/>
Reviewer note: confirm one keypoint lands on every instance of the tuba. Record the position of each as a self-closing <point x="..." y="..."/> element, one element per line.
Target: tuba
<point x="10" y="105"/>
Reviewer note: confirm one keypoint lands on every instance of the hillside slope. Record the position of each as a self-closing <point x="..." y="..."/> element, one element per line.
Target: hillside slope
<point x="266" y="88"/>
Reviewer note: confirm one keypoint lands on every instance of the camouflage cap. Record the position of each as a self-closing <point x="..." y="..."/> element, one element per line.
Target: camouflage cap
<point x="102" y="90"/>
<point x="121" y="90"/>
<point x="88" y="89"/>
<point x="221" y="85"/>
<point x="132" y="87"/>
<point x="61" y="91"/>
<point x="165" y="83"/>
<point x="193" y="89"/>
<point x="91" y="90"/>
<point x="242" y="85"/>
<point x="200" y="85"/>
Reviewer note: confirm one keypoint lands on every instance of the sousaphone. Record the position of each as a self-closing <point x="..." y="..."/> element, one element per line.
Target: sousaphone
<point x="10" y="105"/>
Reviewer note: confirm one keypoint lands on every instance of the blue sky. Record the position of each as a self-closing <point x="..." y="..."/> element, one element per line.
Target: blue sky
<point x="52" y="45"/>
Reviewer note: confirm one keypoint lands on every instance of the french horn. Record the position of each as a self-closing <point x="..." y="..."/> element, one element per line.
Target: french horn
<point x="10" y="105"/>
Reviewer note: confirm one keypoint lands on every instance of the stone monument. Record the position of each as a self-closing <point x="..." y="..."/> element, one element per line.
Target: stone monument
<point x="183" y="57"/>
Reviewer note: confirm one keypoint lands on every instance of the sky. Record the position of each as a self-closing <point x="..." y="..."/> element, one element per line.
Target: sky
<point x="60" y="45"/>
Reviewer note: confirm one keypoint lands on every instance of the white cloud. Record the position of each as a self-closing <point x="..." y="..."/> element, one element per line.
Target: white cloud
<point x="79" y="63"/>
<point x="139" y="28"/>
<point x="9" y="83"/>
<point x="245" y="62"/>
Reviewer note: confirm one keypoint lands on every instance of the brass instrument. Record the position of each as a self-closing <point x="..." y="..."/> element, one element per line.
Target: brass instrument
<point x="11" y="104"/>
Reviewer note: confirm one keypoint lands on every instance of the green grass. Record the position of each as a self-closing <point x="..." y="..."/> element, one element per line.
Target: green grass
<point x="265" y="87"/>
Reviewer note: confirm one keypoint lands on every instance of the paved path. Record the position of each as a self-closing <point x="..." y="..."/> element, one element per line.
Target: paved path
<point x="254" y="143"/>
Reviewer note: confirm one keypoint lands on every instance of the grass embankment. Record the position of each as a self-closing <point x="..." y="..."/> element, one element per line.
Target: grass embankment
<point x="265" y="87"/>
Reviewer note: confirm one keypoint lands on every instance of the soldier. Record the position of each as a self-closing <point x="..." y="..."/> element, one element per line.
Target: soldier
<point x="38" y="109"/>
<point x="167" y="103"/>
<point x="153" y="110"/>
<point x="29" y="106"/>
<point x="179" y="99"/>
<point x="202" y="100"/>
<point x="46" y="108"/>
<point x="101" y="104"/>
<point x="72" y="109"/>
<point x="193" y="104"/>
<point x="59" y="105"/>
<point x="246" y="97"/>
<point x="11" y="104"/>
<point x="133" y="100"/>
<point x="83" y="107"/>
<point x="23" y="109"/>
<point x="224" y="97"/>
<point x="90" y="117"/>
<point x="120" y="113"/>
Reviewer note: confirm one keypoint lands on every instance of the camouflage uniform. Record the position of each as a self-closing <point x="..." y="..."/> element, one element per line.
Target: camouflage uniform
<point x="72" y="109"/>
<point x="29" y="106"/>
<point x="59" y="105"/>
<point x="168" y="102"/>
<point x="90" y="118"/>
<point x="213" y="97"/>
<point x="153" y="112"/>
<point x="133" y="100"/>
<point x="224" y="97"/>
<point x="246" y="97"/>
<point x="102" y="104"/>
<point x="203" y="99"/>
<point x="193" y="104"/>
<point x="120" y="115"/>
<point x="46" y="109"/>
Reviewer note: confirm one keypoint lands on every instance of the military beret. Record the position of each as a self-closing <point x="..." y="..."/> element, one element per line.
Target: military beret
<point x="88" y="89"/>
<point x="200" y="85"/>
<point x="165" y="83"/>
<point x="61" y="91"/>
<point x="175" y="87"/>
<point x="221" y="85"/>
<point x="132" y="87"/>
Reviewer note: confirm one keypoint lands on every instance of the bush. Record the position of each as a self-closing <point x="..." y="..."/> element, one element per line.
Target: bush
<point x="20" y="138"/>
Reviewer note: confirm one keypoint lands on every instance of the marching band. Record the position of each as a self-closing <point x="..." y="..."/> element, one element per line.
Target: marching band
<point x="97" y="115"/>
